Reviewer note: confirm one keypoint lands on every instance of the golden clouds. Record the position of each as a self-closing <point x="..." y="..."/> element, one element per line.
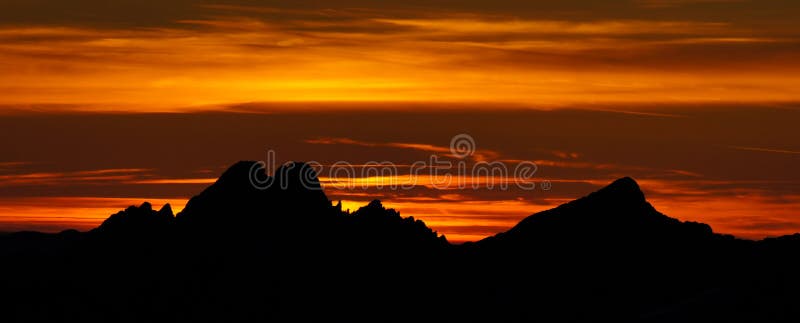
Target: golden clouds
<point x="370" y="55"/>
<point x="555" y="27"/>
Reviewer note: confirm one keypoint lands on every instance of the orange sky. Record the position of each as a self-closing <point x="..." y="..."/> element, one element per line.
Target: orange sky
<point x="219" y="54"/>
<point x="695" y="98"/>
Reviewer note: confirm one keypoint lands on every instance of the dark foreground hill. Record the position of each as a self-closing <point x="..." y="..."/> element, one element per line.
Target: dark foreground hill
<point x="238" y="253"/>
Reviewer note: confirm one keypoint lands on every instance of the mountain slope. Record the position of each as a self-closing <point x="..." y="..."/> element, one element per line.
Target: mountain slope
<point x="615" y="214"/>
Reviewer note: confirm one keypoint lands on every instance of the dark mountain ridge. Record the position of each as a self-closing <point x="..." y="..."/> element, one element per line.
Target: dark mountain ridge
<point x="616" y="215"/>
<point x="243" y="250"/>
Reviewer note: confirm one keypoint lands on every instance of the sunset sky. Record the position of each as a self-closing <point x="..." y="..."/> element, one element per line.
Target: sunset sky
<point x="108" y="104"/>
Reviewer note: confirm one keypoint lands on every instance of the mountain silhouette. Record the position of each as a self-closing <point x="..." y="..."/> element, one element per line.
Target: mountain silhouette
<point x="235" y="201"/>
<point x="272" y="247"/>
<point x="616" y="214"/>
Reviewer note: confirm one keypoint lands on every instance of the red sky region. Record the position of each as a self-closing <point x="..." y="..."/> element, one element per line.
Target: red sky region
<point x="732" y="167"/>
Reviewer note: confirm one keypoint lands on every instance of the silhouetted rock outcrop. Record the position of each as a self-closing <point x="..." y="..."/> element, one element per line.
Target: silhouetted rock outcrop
<point x="380" y="226"/>
<point x="140" y="221"/>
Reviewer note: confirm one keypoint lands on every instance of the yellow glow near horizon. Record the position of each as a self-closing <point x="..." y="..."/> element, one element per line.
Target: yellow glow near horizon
<point x="53" y="214"/>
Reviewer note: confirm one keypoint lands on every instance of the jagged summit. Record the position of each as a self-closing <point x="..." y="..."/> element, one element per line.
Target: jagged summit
<point x="166" y="211"/>
<point x="138" y="220"/>
<point x="372" y="205"/>
<point x="146" y="206"/>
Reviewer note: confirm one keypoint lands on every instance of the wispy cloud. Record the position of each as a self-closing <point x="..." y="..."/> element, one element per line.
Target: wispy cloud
<point x="54" y="178"/>
<point x="533" y="28"/>
<point x="174" y="181"/>
<point x="116" y="176"/>
<point x="478" y="155"/>
<point x="640" y="113"/>
<point x="678" y="3"/>
<point x="13" y="164"/>
<point x="767" y="150"/>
